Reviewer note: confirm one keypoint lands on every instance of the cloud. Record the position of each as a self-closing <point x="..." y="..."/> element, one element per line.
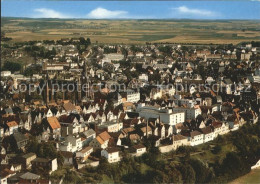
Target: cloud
<point x="196" y="12"/>
<point x="49" y="13"/>
<point x="102" y="13"/>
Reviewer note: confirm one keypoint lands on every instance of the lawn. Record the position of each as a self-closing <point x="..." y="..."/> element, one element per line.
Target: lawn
<point x="251" y="178"/>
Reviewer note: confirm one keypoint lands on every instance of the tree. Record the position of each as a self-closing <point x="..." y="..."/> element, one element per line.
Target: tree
<point x="11" y="66"/>
<point x="201" y="171"/>
<point x="188" y="173"/>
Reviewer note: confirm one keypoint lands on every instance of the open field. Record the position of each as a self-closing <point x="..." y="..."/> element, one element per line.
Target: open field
<point x="251" y="178"/>
<point x="133" y="31"/>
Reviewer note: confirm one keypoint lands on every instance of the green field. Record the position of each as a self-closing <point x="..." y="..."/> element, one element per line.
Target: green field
<point x="251" y="178"/>
<point x="133" y="31"/>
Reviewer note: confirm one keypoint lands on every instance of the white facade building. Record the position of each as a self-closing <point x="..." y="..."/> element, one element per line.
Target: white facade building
<point x="111" y="154"/>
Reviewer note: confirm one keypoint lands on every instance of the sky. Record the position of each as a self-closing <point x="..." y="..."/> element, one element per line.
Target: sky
<point x="132" y="9"/>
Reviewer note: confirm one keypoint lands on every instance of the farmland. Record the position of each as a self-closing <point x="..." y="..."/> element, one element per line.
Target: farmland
<point x="133" y="31"/>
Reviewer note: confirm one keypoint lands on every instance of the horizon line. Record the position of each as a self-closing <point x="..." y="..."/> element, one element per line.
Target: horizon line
<point x="206" y="19"/>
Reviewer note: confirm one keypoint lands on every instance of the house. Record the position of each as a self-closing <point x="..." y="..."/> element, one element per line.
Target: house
<point x="46" y="164"/>
<point x="101" y="141"/>
<point x="167" y="116"/>
<point x="111" y="154"/>
<point x="133" y="96"/>
<point x="90" y="135"/>
<point x="256" y="166"/>
<point x="2" y="150"/>
<point x="145" y="131"/>
<point x="138" y="150"/>
<point x="190" y="112"/>
<point x="69" y="125"/>
<point x="75" y="141"/>
<point x="111" y="126"/>
<point x="3" y="159"/>
<point x="179" y="140"/>
<point x="69" y="108"/>
<point x="84" y="153"/>
<point x="54" y="126"/>
<point x="196" y="138"/>
<point x="68" y="157"/>
<point x="5" y="174"/>
<point x="220" y="128"/>
<point x="27" y="159"/>
<point x="177" y="128"/>
<point x="12" y="127"/>
<point x="20" y="140"/>
<point x="29" y="177"/>
<point x="208" y="133"/>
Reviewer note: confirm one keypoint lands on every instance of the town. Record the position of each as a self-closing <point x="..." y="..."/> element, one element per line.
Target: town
<point x="83" y="105"/>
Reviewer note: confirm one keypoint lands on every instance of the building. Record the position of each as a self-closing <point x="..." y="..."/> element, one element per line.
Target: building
<point x="55" y="128"/>
<point x="190" y="113"/>
<point x="139" y="149"/>
<point x="90" y="135"/>
<point x="165" y="115"/>
<point x="111" y="126"/>
<point x="5" y="73"/>
<point x="111" y="154"/>
<point x="27" y="159"/>
<point x="84" y="153"/>
<point x="196" y="138"/>
<point x="256" y="166"/>
<point x="46" y="164"/>
<point x="12" y="127"/>
<point x="208" y="133"/>
<point x="133" y="96"/>
<point x="179" y="140"/>
<point x="101" y="141"/>
<point x="20" y="140"/>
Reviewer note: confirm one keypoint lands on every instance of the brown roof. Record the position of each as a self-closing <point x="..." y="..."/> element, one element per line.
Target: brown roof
<point x="99" y="140"/>
<point x="148" y="129"/>
<point x="206" y="130"/>
<point x="134" y="137"/>
<point x="53" y="122"/>
<point x="69" y="106"/>
<point x="67" y="154"/>
<point x="194" y="133"/>
<point x="12" y="124"/>
<point x="138" y="146"/>
<point x="86" y="149"/>
<point x="104" y="136"/>
<point x="216" y="124"/>
<point x="178" y="137"/>
<point x="112" y="150"/>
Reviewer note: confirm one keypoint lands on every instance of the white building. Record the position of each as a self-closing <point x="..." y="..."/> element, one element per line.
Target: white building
<point x="84" y="153"/>
<point x="143" y="77"/>
<point x="5" y="73"/>
<point x="133" y="96"/>
<point x="111" y="154"/>
<point x="165" y="115"/>
<point x="196" y="138"/>
<point x="256" y="166"/>
<point x="190" y="113"/>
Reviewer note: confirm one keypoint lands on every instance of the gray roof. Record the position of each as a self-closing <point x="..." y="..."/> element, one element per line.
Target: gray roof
<point x="19" y="137"/>
<point x="9" y="111"/>
<point x="29" y="155"/>
<point x="30" y="176"/>
<point x="89" y="132"/>
<point x="228" y="81"/>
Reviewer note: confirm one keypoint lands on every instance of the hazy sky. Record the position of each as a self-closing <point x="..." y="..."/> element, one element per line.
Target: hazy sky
<point x="133" y="9"/>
